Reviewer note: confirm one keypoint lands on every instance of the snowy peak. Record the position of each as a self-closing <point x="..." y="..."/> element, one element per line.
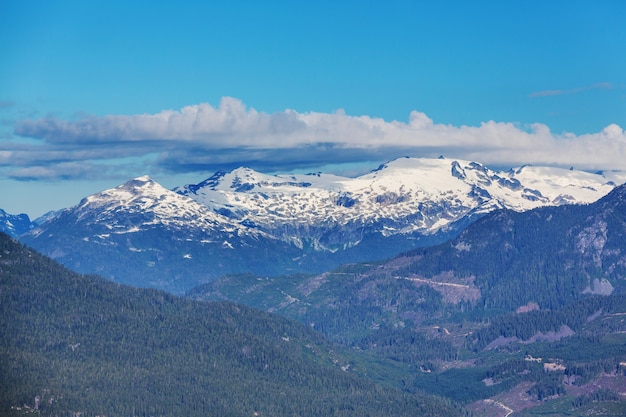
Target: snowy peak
<point x="245" y="179"/>
<point x="406" y="195"/>
<point x="142" y="202"/>
<point x="135" y="191"/>
<point x="519" y="189"/>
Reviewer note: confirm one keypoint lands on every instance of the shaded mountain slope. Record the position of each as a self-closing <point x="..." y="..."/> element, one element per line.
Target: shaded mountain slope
<point x="549" y="256"/>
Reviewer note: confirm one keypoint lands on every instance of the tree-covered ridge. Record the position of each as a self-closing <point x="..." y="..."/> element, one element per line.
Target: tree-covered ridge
<point x="71" y="343"/>
<point x="549" y="256"/>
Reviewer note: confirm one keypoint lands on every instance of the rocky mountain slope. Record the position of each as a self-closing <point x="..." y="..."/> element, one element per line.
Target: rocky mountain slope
<point x="545" y="258"/>
<point x="145" y="235"/>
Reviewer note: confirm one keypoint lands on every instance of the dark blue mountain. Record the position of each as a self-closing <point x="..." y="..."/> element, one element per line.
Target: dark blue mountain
<point x="15" y="224"/>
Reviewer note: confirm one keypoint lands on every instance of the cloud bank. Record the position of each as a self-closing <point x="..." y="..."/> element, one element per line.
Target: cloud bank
<point x="204" y="138"/>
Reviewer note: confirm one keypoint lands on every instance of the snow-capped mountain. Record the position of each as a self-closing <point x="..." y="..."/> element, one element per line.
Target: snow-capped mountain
<point x="143" y="203"/>
<point x="245" y="221"/>
<point x="404" y="196"/>
<point x="145" y="235"/>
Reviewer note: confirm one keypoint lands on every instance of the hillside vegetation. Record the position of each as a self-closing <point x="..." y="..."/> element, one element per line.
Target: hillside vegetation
<point x="79" y="344"/>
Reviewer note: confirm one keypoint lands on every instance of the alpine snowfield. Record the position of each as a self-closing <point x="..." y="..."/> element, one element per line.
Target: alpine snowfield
<point x="406" y="195"/>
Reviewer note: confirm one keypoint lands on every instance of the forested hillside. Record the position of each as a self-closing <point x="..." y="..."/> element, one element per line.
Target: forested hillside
<point x="80" y="344"/>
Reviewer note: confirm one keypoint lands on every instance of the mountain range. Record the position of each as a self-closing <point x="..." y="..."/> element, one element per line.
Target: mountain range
<point x="513" y="303"/>
<point x="245" y="221"/>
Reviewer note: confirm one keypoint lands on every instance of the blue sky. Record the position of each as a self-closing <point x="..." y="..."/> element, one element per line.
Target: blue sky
<point x="95" y="93"/>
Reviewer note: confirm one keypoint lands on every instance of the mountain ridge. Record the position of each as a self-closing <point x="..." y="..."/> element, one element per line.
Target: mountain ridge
<point x="400" y="184"/>
<point x="246" y="221"/>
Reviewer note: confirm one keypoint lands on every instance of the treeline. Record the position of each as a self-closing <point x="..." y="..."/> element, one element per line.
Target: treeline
<point x="71" y="343"/>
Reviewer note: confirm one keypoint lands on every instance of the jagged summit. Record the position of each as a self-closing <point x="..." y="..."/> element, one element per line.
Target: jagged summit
<point x="405" y="195"/>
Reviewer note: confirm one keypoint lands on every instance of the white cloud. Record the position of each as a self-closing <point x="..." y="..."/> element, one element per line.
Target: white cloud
<point x="203" y="137"/>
